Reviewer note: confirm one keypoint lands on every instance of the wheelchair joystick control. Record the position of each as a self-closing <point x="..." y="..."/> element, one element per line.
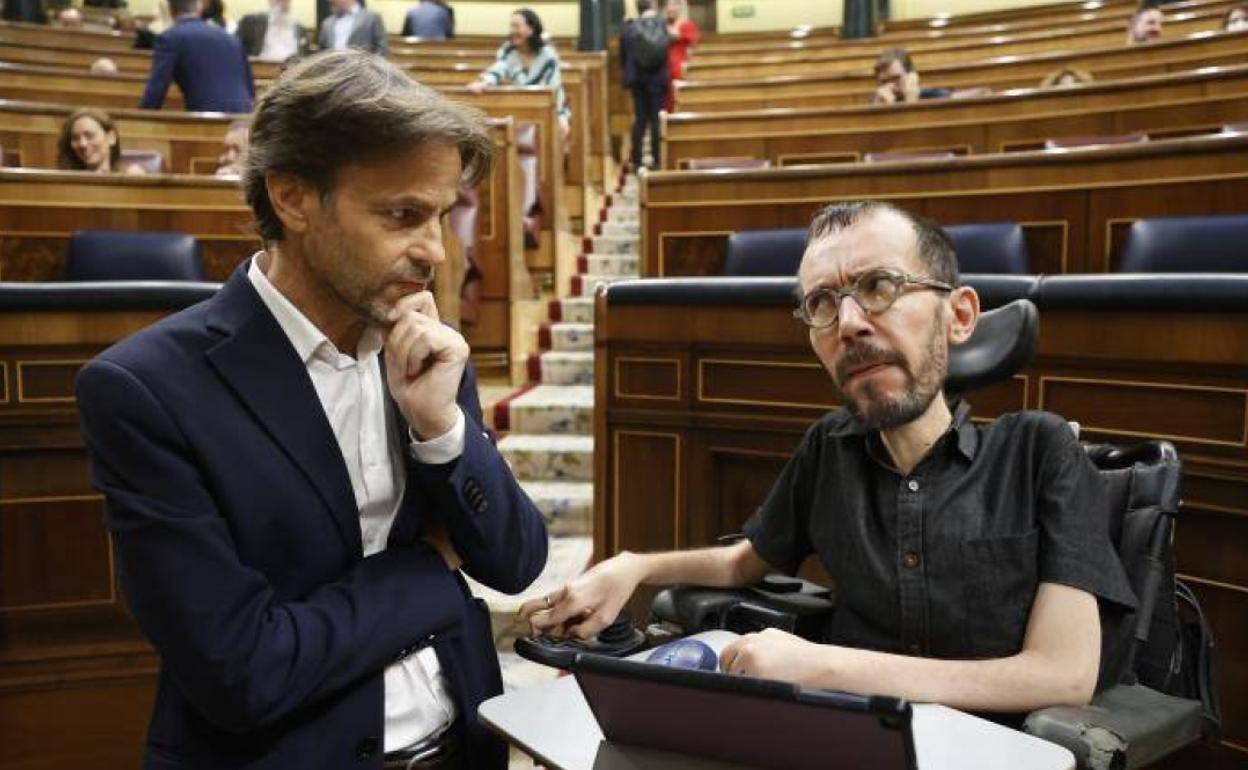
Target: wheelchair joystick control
<point x="617" y="640"/>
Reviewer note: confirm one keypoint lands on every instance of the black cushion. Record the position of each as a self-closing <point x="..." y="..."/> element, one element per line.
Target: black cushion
<point x="992" y="247"/>
<point x="1209" y="244"/>
<point x="107" y="255"/>
<point x="20" y="296"/>
<point x="764" y="252"/>
<point x="1146" y="292"/>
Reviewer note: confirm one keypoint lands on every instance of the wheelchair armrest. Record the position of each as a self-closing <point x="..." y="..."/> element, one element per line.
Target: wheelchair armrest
<point x="1124" y="727"/>
<point x="792" y="604"/>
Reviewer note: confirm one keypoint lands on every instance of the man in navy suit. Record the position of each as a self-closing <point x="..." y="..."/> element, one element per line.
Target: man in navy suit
<point x="296" y="470"/>
<point x="208" y="64"/>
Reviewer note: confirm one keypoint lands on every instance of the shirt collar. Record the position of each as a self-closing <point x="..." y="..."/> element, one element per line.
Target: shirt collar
<point x="309" y="342"/>
<point x="844" y="423"/>
<point x="347" y="14"/>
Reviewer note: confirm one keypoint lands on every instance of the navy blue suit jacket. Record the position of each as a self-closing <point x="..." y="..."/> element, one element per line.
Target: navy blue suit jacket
<point x="208" y="64"/>
<point x="239" y="551"/>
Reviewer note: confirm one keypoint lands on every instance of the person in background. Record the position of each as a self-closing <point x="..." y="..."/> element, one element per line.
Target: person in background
<point x="209" y="65"/>
<point x="1236" y="19"/>
<point x="1145" y="24"/>
<point x="644" y="52"/>
<point x="69" y="18"/>
<point x="898" y="80"/>
<point x="684" y="34"/>
<point x="213" y="12"/>
<point x="429" y="20"/>
<point x="234" y="149"/>
<point x="274" y="36"/>
<point x="352" y="26"/>
<point x="527" y="59"/>
<point x="1066" y="77"/>
<point x="89" y="142"/>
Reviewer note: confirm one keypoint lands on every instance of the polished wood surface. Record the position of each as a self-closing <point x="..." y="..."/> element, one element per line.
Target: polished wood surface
<point x="1074" y="206"/>
<point x="1160" y="106"/>
<point x="700" y="405"/>
<point x="999" y="74"/>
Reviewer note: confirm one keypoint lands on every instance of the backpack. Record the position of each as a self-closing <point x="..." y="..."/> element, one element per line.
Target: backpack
<point x="649" y="43"/>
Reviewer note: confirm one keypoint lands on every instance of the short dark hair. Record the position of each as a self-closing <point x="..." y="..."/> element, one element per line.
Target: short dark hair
<point x="936" y="251"/>
<point x="66" y="158"/>
<point x="644" y="5"/>
<point x="891" y="55"/>
<point x="343" y="107"/>
<point x="179" y="7"/>
<point x="538" y="38"/>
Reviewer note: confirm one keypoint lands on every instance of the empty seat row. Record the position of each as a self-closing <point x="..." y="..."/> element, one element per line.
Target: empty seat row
<point x="1205" y="244"/>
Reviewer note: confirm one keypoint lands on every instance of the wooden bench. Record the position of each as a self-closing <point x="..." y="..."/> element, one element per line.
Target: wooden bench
<point x="1216" y="49"/>
<point x="1073" y="206"/>
<point x="1162" y="105"/>
<point x="703" y="394"/>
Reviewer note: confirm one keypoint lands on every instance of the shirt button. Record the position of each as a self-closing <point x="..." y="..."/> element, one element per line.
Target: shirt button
<point x="910" y="559"/>
<point x="912" y="485"/>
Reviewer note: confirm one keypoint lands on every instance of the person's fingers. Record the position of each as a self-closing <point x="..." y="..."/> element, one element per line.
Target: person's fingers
<point x="588" y="626"/>
<point x="421" y="302"/>
<point x="541" y="603"/>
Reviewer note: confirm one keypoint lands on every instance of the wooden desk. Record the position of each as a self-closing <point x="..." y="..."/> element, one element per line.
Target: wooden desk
<point x="1074" y="206"/>
<point x="1024" y="72"/>
<point x="1161" y="106"/>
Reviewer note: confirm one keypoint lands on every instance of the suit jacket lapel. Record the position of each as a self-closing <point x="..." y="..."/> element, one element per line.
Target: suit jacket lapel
<point x="258" y="362"/>
<point x="356" y="25"/>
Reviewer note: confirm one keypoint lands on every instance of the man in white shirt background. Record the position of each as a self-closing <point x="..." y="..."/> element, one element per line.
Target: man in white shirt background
<point x="274" y="36"/>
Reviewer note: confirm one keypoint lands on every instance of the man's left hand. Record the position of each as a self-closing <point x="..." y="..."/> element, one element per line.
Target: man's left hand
<point x="775" y="654"/>
<point x="425" y="361"/>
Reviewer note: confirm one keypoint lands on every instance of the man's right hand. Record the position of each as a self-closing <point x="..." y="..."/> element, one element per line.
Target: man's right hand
<point x="588" y="604"/>
<point x="478" y="86"/>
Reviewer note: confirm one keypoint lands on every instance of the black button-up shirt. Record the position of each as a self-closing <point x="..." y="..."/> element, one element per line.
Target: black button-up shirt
<point x="943" y="561"/>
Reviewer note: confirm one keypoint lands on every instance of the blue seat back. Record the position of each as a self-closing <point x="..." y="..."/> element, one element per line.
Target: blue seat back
<point x="1209" y="244"/>
<point x="106" y="255"/>
<point x="993" y="247"/>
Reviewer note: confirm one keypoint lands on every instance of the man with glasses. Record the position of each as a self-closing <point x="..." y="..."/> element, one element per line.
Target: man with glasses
<point x="968" y="559"/>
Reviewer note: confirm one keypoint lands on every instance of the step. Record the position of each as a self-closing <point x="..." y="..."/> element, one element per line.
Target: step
<point x="565" y="336"/>
<point x="549" y="458"/>
<point x="567" y="558"/>
<point x="567" y="506"/>
<point x="584" y="285"/>
<point x="560" y="367"/>
<point x="617" y="228"/>
<point x="608" y="264"/>
<point x="565" y="409"/>
<point x="609" y="244"/>
<point x="621" y="214"/>
<point x="572" y="309"/>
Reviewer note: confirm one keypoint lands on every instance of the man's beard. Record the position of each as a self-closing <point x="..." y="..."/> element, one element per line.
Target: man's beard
<point x="877" y="411"/>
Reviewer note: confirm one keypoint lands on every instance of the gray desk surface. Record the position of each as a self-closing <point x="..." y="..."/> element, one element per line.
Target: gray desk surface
<point x="552" y="723"/>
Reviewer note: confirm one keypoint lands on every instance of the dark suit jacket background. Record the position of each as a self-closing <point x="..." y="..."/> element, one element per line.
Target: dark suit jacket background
<point x="254" y="26"/>
<point x="239" y="551"/>
<point x="367" y="33"/>
<point x="208" y="64"/>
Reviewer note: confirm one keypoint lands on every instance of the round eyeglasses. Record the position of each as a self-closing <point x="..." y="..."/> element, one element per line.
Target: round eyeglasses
<point x="875" y="291"/>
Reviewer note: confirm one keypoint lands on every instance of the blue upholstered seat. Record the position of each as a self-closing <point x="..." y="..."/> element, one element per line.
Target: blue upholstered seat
<point x="1209" y="244"/>
<point x="107" y="255"/>
<point x="992" y="247"/>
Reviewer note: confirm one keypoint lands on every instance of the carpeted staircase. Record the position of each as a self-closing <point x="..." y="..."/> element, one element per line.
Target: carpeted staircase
<point x="547" y="425"/>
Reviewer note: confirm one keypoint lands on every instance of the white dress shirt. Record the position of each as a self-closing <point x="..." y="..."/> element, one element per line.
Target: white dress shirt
<point x="342" y="26"/>
<point x="280" y="41"/>
<point x="353" y="395"/>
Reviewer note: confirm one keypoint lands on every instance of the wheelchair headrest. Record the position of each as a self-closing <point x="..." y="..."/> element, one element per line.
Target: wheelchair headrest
<point x="1002" y="344"/>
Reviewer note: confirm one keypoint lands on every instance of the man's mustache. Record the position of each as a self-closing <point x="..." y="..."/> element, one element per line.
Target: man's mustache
<point x="863" y="355"/>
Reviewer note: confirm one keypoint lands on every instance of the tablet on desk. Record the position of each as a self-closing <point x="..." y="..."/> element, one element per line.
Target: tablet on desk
<point x="744" y="720"/>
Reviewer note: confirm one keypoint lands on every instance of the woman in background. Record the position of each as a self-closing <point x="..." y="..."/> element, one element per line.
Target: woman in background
<point x="526" y="59"/>
<point x="89" y="142"/>
<point x="683" y="34"/>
